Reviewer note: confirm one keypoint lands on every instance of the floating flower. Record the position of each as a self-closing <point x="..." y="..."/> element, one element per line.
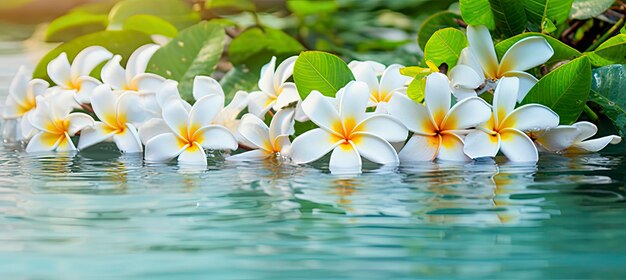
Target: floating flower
<point x="505" y="129"/>
<point x="479" y="61"/>
<point x="20" y="104"/>
<point x="191" y="131"/>
<point x="436" y="127"/>
<point x="349" y="132"/>
<point x="117" y="113"/>
<point x="56" y="125"/>
<point x="573" y="139"/>
<point x="275" y="92"/>
<point x="134" y="78"/>
<point x="391" y="82"/>
<point x="266" y="141"/>
<point x="75" y="78"/>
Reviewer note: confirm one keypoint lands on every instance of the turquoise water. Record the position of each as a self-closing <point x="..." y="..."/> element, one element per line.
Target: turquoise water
<point x="100" y="213"/>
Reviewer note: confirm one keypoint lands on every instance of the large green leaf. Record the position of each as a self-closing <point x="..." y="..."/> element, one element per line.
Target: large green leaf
<point x="562" y="52"/>
<point x="609" y="91"/>
<point x="445" y="46"/>
<point x="256" y="46"/>
<point x="613" y="51"/>
<point x="177" y="12"/>
<point x="150" y="25"/>
<point x="118" y="42"/>
<point x="509" y="15"/>
<point x="195" y="51"/>
<point x="539" y="11"/>
<point x="239" y="78"/>
<point x="75" y="24"/>
<point x="564" y="90"/>
<point x="320" y="71"/>
<point x="585" y="9"/>
<point x="477" y="12"/>
<point x="229" y="6"/>
<point x="435" y="22"/>
<point x="309" y="7"/>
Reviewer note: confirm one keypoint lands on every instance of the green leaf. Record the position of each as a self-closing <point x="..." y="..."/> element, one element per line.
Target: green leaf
<point x="177" y="12"/>
<point x="415" y="71"/>
<point x="150" y="25"/>
<point x="554" y="11"/>
<point x="585" y="9"/>
<point x="509" y="15"/>
<point x="609" y="91"/>
<point x="195" y="51"/>
<point x="416" y="89"/>
<point x="256" y="46"/>
<point x="118" y="42"/>
<point x="239" y="78"/>
<point x="612" y="51"/>
<point x="320" y="71"/>
<point x="308" y="7"/>
<point x="436" y="22"/>
<point x="73" y="25"/>
<point x="477" y="12"/>
<point x="445" y="46"/>
<point x="562" y="52"/>
<point x="564" y="90"/>
<point x="229" y="6"/>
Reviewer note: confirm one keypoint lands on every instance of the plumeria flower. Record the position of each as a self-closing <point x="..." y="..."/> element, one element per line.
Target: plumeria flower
<point x="56" y="125"/>
<point x="505" y="129"/>
<point x="275" y="92"/>
<point x="378" y="67"/>
<point x="20" y="104"/>
<point x="480" y="62"/>
<point x="349" y="132"/>
<point x="134" y="78"/>
<point x="75" y="78"/>
<point x="117" y="113"/>
<point x="391" y="82"/>
<point x="191" y="131"/>
<point x="573" y="139"/>
<point x="437" y="127"/>
<point x="267" y="142"/>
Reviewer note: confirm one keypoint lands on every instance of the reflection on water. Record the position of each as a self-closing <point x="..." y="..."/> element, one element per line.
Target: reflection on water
<point x="103" y="213"/>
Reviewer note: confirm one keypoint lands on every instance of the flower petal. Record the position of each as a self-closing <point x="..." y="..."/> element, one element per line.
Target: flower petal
<point x="354" y="101"/>
<point x="378" y="67"/>
<point x="204" y="85"/>
<point x="467" y="113"/>
<point x="284" y="71"/>
<point x="78" y="122"/>
<point x="138" y="60"/>
<point x="463" y="76"/>
<point x="526" y="82"/>
<point x="127" y="110"/>
<point x="525" y="54"/>
<point x="266" y="81"/>
<point x="148" y="82"/>
<point x="193" y="155"/>
<point x="215" y="137"/>
<point x="451" y="148"/>
<point x="11" y="109"/>
<point x="128" y="141"/>
<point x="384" y="126"/>
<point x="152" y="128"/>
<point x="176" y="117"/>
<point x="375" y="148"/>
<point x="59" y="70"/>
<point x="18" y="89"/>
<point x="517" y="146"/>
<point x="164" y="147"/>
<point x="87" y="85"/>
<point x="468" y="58"/>
<point x="364" y="72"/>
<point x="87" y="59"/>
<point x="594" y="145"/>
<point x="253" y="155"/>
<point x="504" y="99"/>
<point x="481" y="45"/>
<point x="558" y="138"/>
<point x="420" y="148"/>
<point x="413" y="115"/>
<point x="288" y="95"/>
<point x="234" y="108"/>
<point x="282" y="123"/>
<point x="100" y="132"/>
<point x="168" y="90"/>
<point x="480" y="144"/>
<point x="113" y="74"/>
<point x="345" y="159"/>
<point x="259" y="103"/>
<point x="205" y="110"/>
<point x="462" y="93"/>
<point x="392" y="79"/>
<point x="312" y="145"/>
<point x="103" y="102"/>
<point x="65" y="144"/>
<point x="437" y="97"/>
<point x="321" y="111"/>
<point x="531" y="117"/>
<point x="586" y="130"/>
<point x="44" y="142"/>
<point x="26" y="128"/>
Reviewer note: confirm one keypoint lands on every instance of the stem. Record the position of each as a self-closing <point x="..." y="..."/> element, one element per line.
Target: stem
<point x="257" y="21"/>
<point x="591" y="114"/>
<point x="606" y="35"/>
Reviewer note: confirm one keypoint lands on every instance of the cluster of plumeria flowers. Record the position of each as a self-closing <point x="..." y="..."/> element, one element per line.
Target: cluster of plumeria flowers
<point x="370" y="118"/>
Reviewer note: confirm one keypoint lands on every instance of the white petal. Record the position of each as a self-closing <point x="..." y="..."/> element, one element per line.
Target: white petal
<point x="437" y="96"/>
<point x="375" y="149"/>
<point x="463" y="76"/>
<point x="392" y="79"/>
<point x="354" y="101"/>
<point x="558" y="138"/>
<point x="282" y="123"/>
<point x="152" y="128"/>
<point x="517" y="146"/>
<point x="525" y="54"/>
<point x="100" y="132"/>
<point x="215" y="137"/>
<point x="11" y="109"/>
<point x="378" y="67"/>
<point x="586" y="131"/>
<point x="44" y="142"/>
<point x="193" y="155"/>
<point x="288" y="95"/>
<point x="164" y="147"/>
<point x="103" y="102"/>
<point x="312" y="145"/>
<point x="238" y="104"/>
<point x="480" y="144"/>
<point x="284" y="71"/>
<point x="168" y="90"/>
<point x="87" y="85"/>
<point x="467" y="113"/>
<point x="87" y="59"/>
<point x="468" y="58"/>
<point x="113" y="74"/>
<point x="26" y="128"/>
<point x="420" y="148"/>
<point x="253" y="155"/>
<point x="462" y="93"/>
<point x="320" y="111"/>
<point x="451" y="148"/>
<point x="414" y="116"/>
<point x="204" y="85"/>
<point x="594" y="145"/>
<point x="531" y="117"/>
<point x="138" y="60"/>
<point x="345" y="159"/>
<point x="259" y="103"/>
<point x="384" y="126"/>
<point x="364" y="72"/>
<point x="148" y="82"/>
<point x="505" y="98"/>
<point x="18" y="89"/>
<point x="127" y="110"/>
<point x="481" y="45"/>
<point x="128" y="141"/>
<point x="59" y="70"/>
<point x="205" y="110"/>
<point x="176" y="117"/>
<point x="65" y="144"/>
<point x="266" y="80"/>
<point x="37" y="87"/>
<point x="526" y="82"/>
<point x="78" y="122"/>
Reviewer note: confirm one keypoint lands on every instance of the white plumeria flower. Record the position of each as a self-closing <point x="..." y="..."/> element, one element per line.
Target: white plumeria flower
<point x="20" y="104"/>
<point x="437" y="127"/>
<point x="391" y="82"/>
<point x="275" y="92"/>
<point x="573" y="139"/>
<point x="267" y="142"/>
<point x="134" y="78"/>
<point x="479" y="62"/>
<point x="75" y="78"/>
<point x="505" y="129"/>
<point x="349" y="132"/>
<point x="191" y="131"/>
<point x="56" y="125"/>
<point x="117" y="113"/>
